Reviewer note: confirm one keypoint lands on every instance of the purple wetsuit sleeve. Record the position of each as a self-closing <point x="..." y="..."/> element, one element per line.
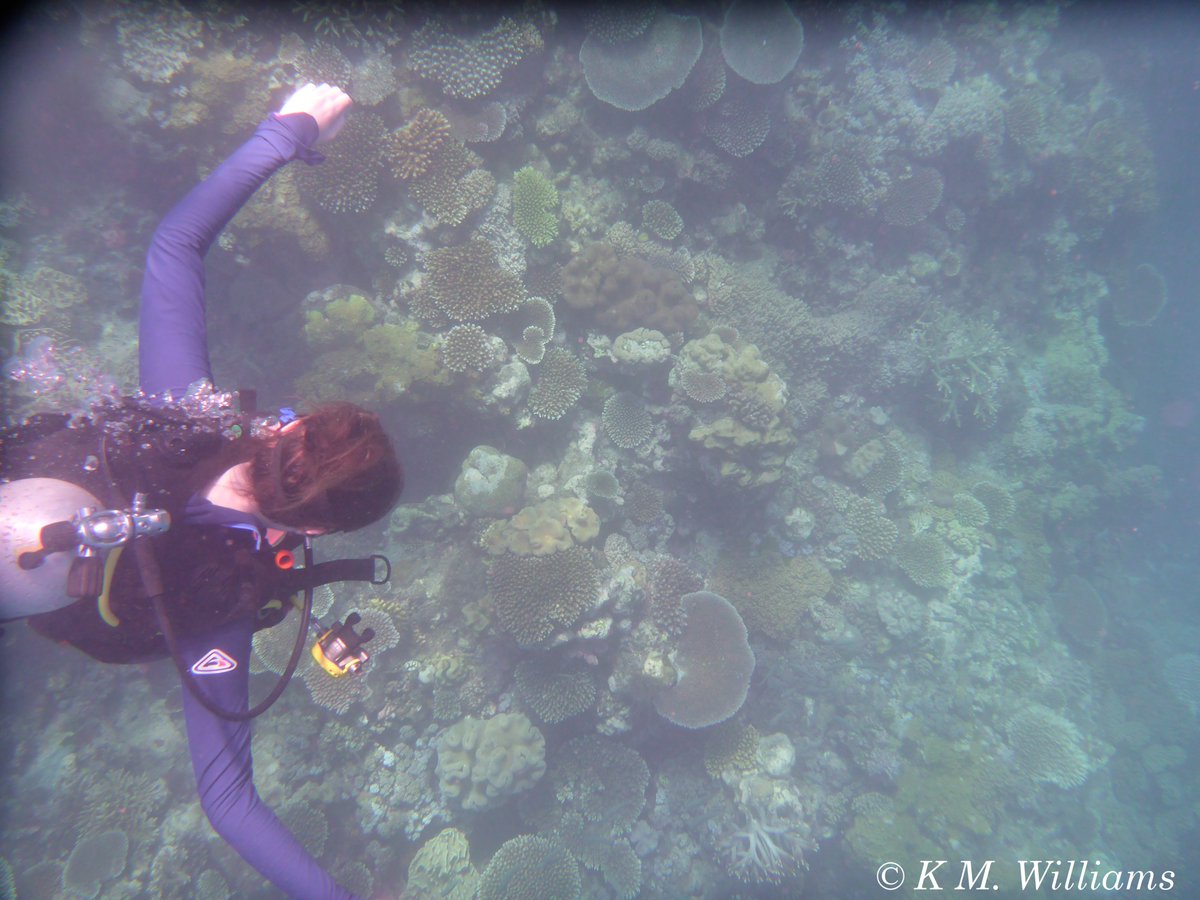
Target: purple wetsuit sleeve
<point x="173" y="336"/>
<point x="220" y="752"/>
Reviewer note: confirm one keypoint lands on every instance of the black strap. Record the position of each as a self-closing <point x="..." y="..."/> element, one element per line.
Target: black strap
<point x="294" y="580"/>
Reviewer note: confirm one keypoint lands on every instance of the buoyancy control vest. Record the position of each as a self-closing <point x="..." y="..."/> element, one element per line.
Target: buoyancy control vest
<point x="210" y="574"/>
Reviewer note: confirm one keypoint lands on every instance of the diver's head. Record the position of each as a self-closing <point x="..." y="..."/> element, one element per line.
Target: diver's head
<point x="334" y="469"/>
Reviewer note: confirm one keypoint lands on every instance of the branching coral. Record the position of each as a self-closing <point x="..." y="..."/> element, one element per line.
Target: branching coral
<point x="553" y="690"/>
<point x="471" y="67"/>
<point x="968" y="365"/>
<point x="411" y="149"/>
<point x="534" y="202"/>
<point x="467" y="285"/>
<point x="561" y="382"/>
<point x="348" y="180"/>
<point x="626" y="421"/>
<point x="536" y="594"/>
<point x="531" y="866"/>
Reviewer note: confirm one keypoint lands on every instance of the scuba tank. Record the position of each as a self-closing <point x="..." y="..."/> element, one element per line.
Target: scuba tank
<point x="40" y="517"/>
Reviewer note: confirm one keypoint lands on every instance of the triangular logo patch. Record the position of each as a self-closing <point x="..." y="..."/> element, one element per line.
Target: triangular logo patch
<point x="214" y="663"/>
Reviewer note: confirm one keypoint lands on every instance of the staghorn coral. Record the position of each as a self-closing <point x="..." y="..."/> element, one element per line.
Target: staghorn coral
<point x="670" y="579"/>
<point x="467" y="348"/>
<point x="923" y="558"/>
<point x="772" y="592"/>
<point x="561" y="382"/>
<point x="94" y="860"/>
<point x="661" y="218"/>
<point x="531" y="866"/>
<point x="536" y="594"/>
<point x="531" y="348"/>
<point x="969" y="510"/>
<point x="644" y="503"/>
<point x="1046" y="747"/>
<point x="761" y="40"/>
<point x="467" y="285"/>
<point x="626" y="421"/>
<point x="469" y="67"/>
<point x="639" y="71"/>
<point x="701" y="386"/>
<point x="552" y="690"/>
<point x="738" y="126"/>
<point x="482" y="762"/>
<point x="534" y="202"/>
<point x="876" y="533"/>
<point x="442" y="869"/>
<point x="968" y="364"/>
<point x="625" y="293"/>
<point x="410" y="150"/>
<point x="731" y="746"/>
<point x="600" y="779"/>
<point x="714" y="664"/>
<point x="911" y="199"/>
<point x="454" y="185"/>
<point x="348" y="180"/>
<point x="932" y="65"/>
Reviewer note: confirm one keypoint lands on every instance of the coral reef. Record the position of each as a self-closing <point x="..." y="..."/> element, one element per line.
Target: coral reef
<point x="530" y="866"/>
<point x="560" y="384"/>
<point x="536" y="594"/>
<point x="534" y="202"/>
<point x="471" y="67"/>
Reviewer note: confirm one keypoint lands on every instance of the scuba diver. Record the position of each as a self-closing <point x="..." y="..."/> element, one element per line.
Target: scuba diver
<point x="150" y="530"/>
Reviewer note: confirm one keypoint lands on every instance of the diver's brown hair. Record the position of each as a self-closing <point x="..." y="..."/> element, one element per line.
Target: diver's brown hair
<point x="335" y="469"/>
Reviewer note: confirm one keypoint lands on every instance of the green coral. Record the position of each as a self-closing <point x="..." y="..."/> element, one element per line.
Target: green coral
<point x="343" y="317"/>
<point x="534" y="201"/>
<point x="482" y="762"/>
<point x="442" y="870"/>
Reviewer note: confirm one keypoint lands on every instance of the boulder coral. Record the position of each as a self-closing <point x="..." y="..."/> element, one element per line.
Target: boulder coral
<point x="543" y="528"/>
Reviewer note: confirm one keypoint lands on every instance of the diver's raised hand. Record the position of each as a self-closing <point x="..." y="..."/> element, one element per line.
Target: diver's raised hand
<point x="325" y="103"/>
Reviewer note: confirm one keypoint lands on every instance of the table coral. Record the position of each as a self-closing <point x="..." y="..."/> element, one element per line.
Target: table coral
<point x="467" y="285"/>
<point x="531" y="866"/>
<point x="470" y="67"/>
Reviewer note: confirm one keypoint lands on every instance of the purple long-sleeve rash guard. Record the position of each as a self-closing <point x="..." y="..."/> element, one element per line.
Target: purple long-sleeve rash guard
<point x="174" y="354"/>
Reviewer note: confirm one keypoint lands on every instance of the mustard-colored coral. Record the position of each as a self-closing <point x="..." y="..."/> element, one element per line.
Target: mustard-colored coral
<point x="773" y="593"/>
<point x="545" y="528"/>
<point x="340" y="318"/>
<point x="753" y="437"/>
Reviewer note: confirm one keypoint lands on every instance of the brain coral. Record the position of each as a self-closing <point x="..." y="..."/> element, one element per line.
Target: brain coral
<point x="466" y="283"/>
<point x="560" y="384"/>
<point x="534" y="201"/>
<point x="626" y="293"/>
<point x="552" y="690"/>
<point x="470" y="67"/>
<point x="761" y="40"/>
<point x="640" y="71"/>
<point x="481" y="762"/>
<point x="714" y="662"/>
<point x="626" y="421"/>
<point x="536" y="594"/>
<point x="531" y="866"/>
<point x="1046" y="747"/>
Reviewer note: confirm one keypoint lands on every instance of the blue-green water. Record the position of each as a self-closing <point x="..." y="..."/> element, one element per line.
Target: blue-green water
<point x="875" y="325"/>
